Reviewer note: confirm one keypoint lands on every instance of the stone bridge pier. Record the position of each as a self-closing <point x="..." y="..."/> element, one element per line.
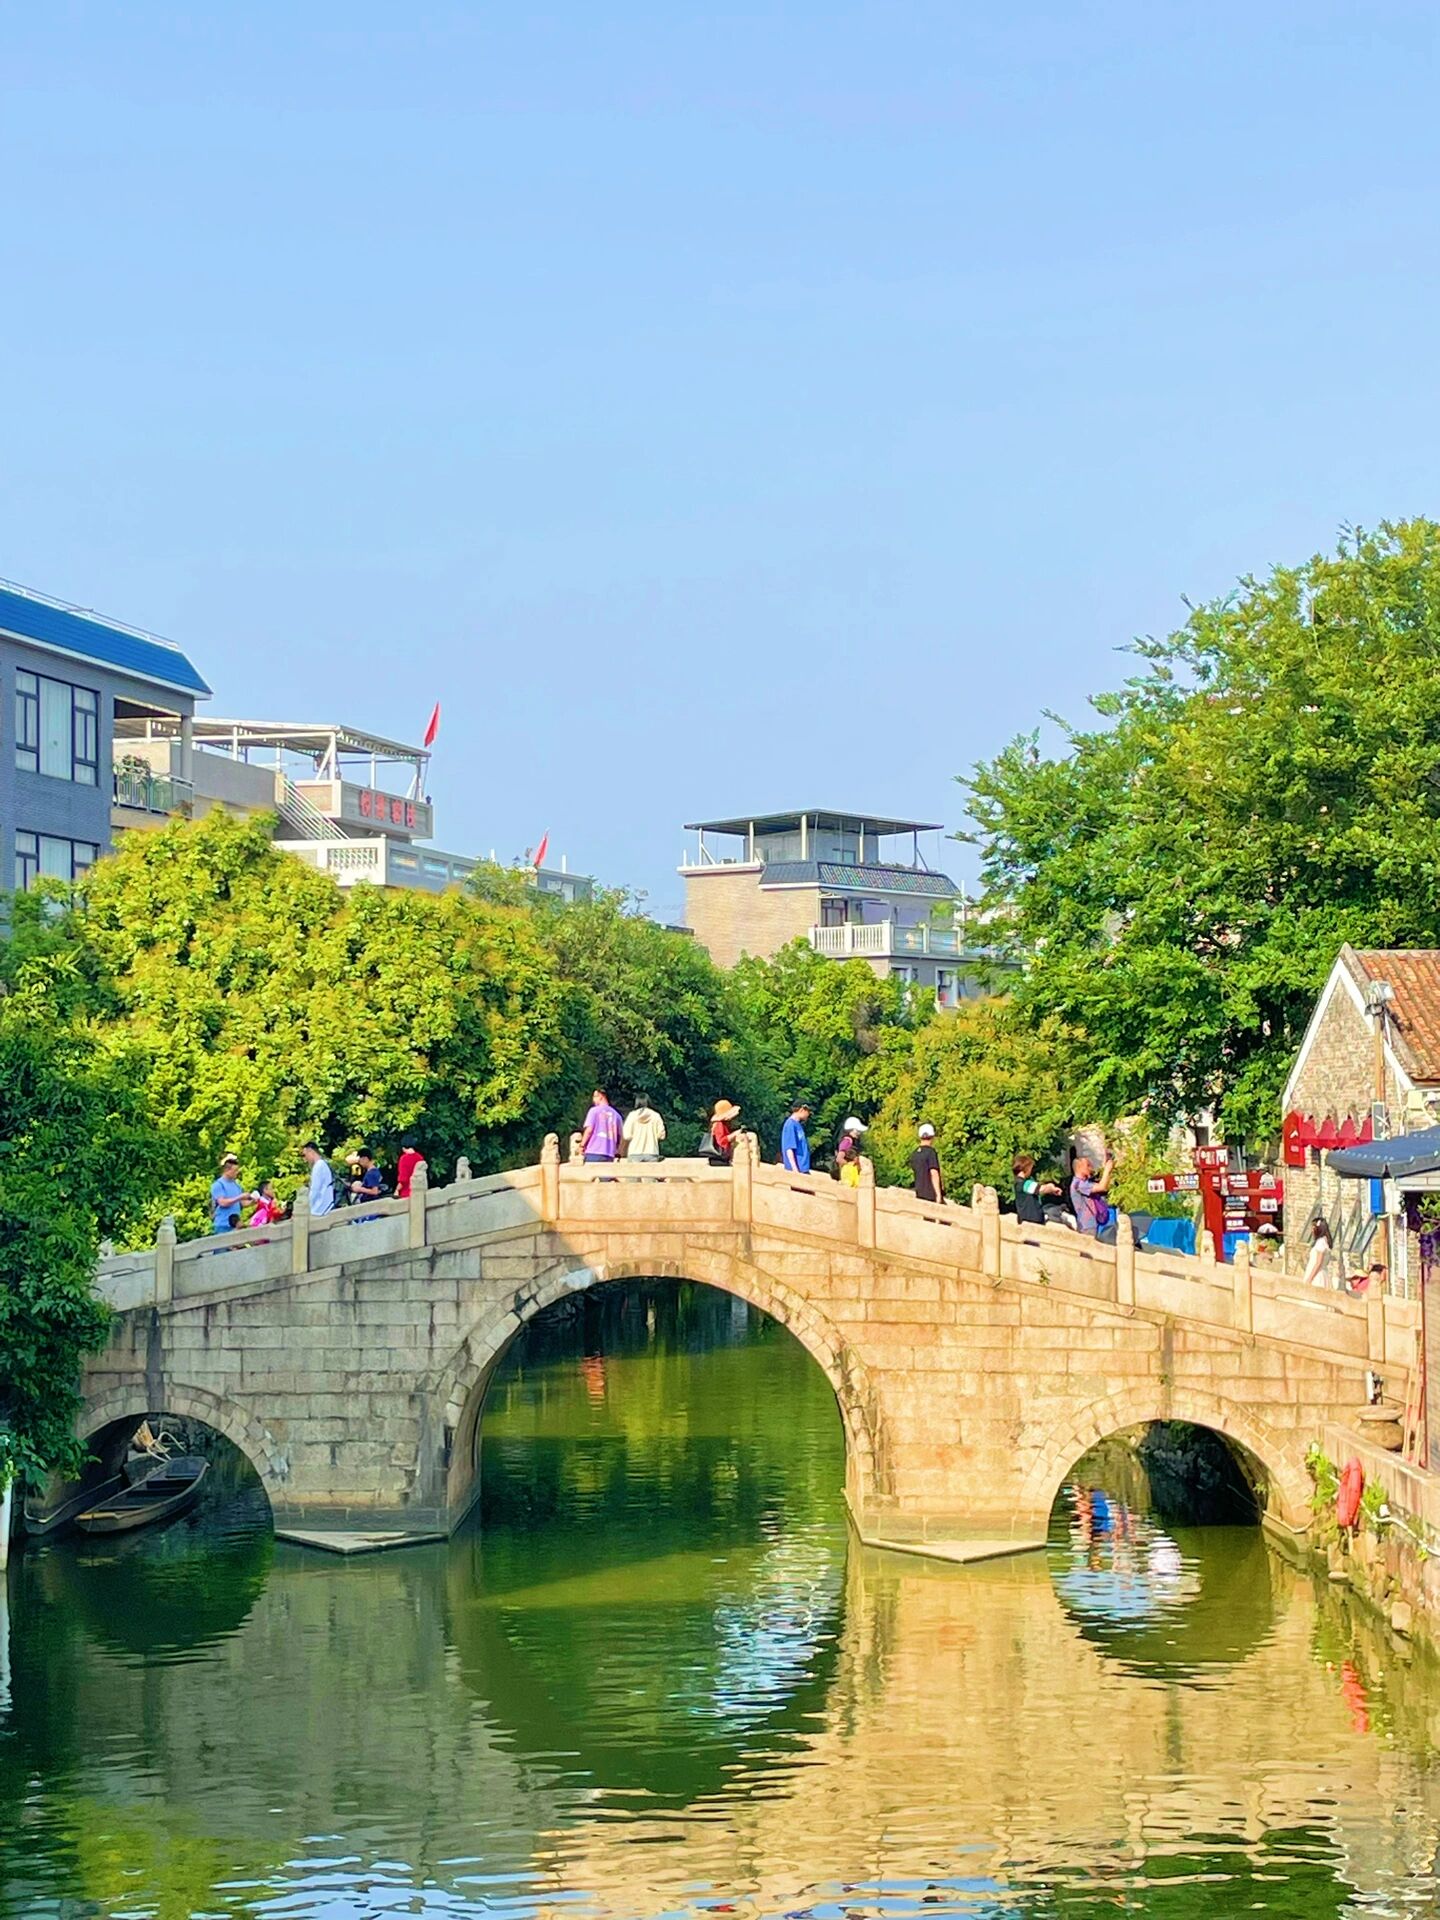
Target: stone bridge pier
<point x="973" y="1359"/>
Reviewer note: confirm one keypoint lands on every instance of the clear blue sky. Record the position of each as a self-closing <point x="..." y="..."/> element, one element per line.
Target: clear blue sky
<point x="717" y="409"/>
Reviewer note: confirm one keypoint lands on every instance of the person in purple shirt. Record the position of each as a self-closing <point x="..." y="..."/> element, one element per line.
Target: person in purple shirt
<point x="1087" y="1194"/>
<point x="600" y="1139"/>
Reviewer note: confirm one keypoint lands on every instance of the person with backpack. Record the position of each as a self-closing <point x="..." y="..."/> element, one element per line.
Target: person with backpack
<point x="322" y="1180"/>
<point x="717" y="1143"/>
<point x="847" y="1152"/>
<point x="1093" y="1212"/>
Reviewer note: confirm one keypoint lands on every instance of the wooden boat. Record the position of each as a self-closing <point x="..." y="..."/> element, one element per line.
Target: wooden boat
<point x="43" y="1524"/>
<point x="161" y="1494"/>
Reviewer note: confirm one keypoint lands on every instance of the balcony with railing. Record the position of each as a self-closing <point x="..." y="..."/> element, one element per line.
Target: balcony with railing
<point x="886" y="940"/>
<point x="141" y="790"/>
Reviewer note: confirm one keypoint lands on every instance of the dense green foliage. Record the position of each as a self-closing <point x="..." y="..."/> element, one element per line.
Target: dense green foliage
<point x="828" y="1031"/>
<point x="270" y="1006"/>
<point x="1267" y="787"/>
<point x="991" y="1084"/>
<point x="74" y="1157"/>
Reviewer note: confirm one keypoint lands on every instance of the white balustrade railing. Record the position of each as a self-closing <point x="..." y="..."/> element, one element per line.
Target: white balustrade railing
<point x="854" y="939"/>
<point x="877" y="939"/>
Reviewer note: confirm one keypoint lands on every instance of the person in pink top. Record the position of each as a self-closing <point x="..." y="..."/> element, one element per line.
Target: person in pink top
<point x="600" y="1137"/>
<point x="267" y="1208"/>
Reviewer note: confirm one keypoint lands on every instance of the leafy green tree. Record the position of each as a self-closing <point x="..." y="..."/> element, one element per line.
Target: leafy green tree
<point x="1266" y="786"/>
<point x="655" y="1016"/>
<point x="830" y="1031"/>
<point x="77" y="1158"/>
<point x="270" y="1006"/>
<point x="990" y="1082"/>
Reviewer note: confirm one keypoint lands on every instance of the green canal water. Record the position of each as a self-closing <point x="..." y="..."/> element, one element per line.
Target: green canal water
<point x="657" y="1678"/>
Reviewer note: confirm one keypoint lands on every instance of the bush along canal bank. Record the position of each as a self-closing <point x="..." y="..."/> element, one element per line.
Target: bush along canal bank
<point x="1377" y="1530"/>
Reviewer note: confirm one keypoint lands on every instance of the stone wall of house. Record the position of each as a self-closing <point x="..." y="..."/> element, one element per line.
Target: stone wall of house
<point x="1338" y="1077"/>
<point x="731" y="915"/>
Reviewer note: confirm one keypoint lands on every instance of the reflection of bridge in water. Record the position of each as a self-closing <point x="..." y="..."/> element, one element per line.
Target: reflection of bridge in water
<point x="973" y="1359"/>
<point x="950" y="1731"/>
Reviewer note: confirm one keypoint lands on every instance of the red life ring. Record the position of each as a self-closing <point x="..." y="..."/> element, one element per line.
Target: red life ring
<point x="1347" y="1499"/>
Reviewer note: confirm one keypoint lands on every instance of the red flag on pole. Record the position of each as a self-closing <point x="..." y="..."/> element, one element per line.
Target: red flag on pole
<point x="432" y="727"/>
<point x="541" y="851"/>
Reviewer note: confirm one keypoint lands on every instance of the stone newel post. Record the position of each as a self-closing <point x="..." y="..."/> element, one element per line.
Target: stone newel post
<point x="1243" y="1299"/>
<point x="165" y="1261"/>
<point x="1124" y="1260"/>
<point x="576" y="1155"/>
<point x="1375" y="1321"/>
<point x="419" y="1192"/>
<point x="550" y="1180"/>
<point x="865" y="1204"/>
<point x="300" y="1232"/>
<point x="1207" y="1245"/>
<point x="742" y="1180"/>
<point x="987" y="1203"/>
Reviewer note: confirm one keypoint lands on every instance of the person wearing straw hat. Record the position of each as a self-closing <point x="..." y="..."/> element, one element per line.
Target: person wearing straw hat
<point x="722" y="1141"/>
<point x="847" y="1152"/>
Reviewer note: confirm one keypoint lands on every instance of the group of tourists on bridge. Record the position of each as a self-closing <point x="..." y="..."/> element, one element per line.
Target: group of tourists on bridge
<point x="607" y="1135"/>
<point x="362" y="1179"/>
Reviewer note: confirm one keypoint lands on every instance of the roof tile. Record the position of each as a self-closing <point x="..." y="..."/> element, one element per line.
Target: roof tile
<point x="1414" y="973"/>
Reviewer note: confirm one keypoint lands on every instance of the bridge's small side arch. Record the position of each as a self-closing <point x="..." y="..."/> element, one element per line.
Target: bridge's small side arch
<point x="1284" y="1492"/>
<point x="135" y="1399"/>
<point x="459" y="1397"/>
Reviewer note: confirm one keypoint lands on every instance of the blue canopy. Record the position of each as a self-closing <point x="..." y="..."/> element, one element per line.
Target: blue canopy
<point x="1392" y="1159"/>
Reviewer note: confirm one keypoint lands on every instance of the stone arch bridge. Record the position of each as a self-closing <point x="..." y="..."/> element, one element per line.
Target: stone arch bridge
<point x="974" y="1359"/>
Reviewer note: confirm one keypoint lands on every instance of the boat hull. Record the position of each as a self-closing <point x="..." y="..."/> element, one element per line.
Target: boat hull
<point x="162" y="1495"/>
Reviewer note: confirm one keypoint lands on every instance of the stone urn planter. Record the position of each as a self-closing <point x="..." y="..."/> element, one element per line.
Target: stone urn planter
<point x="1383" y="1425"/>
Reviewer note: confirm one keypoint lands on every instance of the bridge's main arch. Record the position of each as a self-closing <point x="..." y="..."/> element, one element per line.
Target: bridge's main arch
<point x="459" y="1399"/>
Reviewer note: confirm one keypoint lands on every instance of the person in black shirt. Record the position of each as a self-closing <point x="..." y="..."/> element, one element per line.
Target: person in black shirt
<point x="1029" y="1192"/>
<point x="925" y="1165"/>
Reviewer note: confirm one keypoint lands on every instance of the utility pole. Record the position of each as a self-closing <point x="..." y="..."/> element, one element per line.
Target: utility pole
<point x="1377" y="1003"/>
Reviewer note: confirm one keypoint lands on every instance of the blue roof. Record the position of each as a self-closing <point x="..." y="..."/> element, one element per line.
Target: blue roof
<point x="871" y="878"/>
<point x="66" y="629"/>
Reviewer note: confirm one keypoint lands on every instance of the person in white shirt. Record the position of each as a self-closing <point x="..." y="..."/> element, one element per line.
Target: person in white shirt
<point x="643" y="1131"/>
<point x="1320" y="1267"/>
<point x="322" y="1181"/>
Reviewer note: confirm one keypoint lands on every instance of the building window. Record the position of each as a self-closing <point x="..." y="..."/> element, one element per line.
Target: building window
<point x="945" y="995"/>
<point x="57" y="729"/>
<point x="38" y="854"/>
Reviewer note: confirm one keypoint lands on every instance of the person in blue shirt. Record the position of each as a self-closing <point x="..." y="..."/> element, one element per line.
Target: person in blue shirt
<point x="226" y="1195"/>
<point x="794" y="1144"/>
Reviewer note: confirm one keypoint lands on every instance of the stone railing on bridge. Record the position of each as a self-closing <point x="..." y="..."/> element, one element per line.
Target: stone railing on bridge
<point x="692" y="1196"/>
